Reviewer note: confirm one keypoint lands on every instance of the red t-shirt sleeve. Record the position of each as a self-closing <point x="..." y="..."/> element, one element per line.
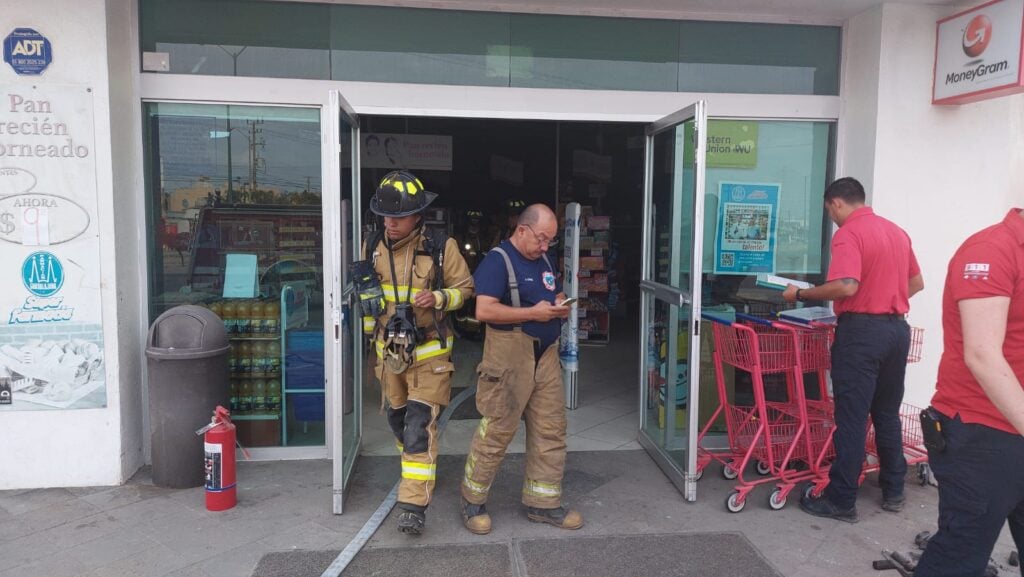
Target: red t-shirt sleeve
<point x="846" y="257"/>
<point x="981" y="270"/>
<point x="915" y="269"/>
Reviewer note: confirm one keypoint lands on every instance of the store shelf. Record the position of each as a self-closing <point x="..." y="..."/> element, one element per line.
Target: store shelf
<point x="595" y="279"/>
<point x="261" y="417"/>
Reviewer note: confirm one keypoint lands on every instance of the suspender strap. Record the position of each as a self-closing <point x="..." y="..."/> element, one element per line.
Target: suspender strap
<point x="513" y="284"/>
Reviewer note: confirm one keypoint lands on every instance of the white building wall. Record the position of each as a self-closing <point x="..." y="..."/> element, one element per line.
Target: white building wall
<point x="89" y="446"/>
<point x="941" y="172"/>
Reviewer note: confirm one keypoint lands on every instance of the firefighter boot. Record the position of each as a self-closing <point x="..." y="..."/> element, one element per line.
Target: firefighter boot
<point x="559" y="517"/>
<point x="475" y="518"/>
<point x="412" y="519"/>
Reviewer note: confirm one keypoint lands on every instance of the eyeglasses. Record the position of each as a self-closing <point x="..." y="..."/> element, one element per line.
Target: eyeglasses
<point x="542" y="239"/>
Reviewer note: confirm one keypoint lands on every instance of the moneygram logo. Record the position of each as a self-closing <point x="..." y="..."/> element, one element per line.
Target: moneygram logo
<point x="977" y="35"/>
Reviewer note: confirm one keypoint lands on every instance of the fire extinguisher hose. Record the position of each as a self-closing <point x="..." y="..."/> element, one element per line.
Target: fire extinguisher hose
<point x="377" y="519"/>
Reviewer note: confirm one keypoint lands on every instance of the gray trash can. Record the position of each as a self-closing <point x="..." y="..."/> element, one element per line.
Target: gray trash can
<point x="187" y="354"/>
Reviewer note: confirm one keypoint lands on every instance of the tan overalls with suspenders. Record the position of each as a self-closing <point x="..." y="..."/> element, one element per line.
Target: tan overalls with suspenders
<point x="516" y="378"/>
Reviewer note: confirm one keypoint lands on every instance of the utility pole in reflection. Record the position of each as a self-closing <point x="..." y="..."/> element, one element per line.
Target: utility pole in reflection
<point x="234" y="72"/>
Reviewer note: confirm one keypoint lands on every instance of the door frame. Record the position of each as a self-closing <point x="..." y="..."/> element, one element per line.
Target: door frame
<point x="426" y="100"/>
<point x="685" y="478"/>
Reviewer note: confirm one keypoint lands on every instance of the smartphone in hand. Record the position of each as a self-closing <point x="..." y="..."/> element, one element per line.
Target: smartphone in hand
<point x="567" y="302"/>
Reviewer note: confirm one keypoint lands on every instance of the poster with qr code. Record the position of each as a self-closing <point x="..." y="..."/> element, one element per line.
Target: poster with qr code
<point x="747" y="223"/>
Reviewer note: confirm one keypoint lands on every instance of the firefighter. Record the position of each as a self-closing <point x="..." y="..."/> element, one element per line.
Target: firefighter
<point x="471" y="241"/>
<point x="422" y="277"/>
<point x="507" y="221"/>
<point x="520" y="374"/>
<point x="472" y="238"/>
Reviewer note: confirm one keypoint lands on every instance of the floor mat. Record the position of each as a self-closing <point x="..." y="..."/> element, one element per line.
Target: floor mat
<point x="675" y="555"/>
<point x="433" y="561"/>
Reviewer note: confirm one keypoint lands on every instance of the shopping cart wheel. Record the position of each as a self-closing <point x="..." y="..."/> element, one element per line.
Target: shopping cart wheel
<point x="699" y="475"/>
<point x="733" y="503"/>
<point x="763" y="468"/>
<point x="729" y="473"/>
<point x="776" y="500"/>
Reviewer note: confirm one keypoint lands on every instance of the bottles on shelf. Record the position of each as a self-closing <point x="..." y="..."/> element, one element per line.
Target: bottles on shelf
<point x="254" y="362"/>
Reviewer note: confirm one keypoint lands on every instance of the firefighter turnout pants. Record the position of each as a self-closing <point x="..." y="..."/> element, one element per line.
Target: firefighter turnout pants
<point x="415" y="399"/>
<point x="515" y="380"/>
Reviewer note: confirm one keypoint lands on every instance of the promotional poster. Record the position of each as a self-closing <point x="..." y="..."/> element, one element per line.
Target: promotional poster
<point x="51" y="338"/>
<point x="747" y="224"/>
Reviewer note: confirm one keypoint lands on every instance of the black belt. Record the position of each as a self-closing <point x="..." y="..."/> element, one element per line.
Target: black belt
<point x="875" y="316"/>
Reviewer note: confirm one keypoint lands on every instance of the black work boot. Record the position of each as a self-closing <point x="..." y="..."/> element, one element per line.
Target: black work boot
<point x="894" y="503"/>
<point x="559" y="517"/>
<point x="822" y="506"/>
<point x="411" y="519"/>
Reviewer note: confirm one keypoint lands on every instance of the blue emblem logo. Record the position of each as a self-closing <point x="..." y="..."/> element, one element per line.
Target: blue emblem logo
<point x="549" y="280"/>
<point x="42" y="273"/>
<point x="27" y="51"/>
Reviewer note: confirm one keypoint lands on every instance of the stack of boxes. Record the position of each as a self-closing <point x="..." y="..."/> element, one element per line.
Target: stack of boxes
<point x="595" y="280"/>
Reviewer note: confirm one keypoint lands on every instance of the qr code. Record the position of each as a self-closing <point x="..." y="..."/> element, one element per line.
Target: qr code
<point x="727" y="259"/>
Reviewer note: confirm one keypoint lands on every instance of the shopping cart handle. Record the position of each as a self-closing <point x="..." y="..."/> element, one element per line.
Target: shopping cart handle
<point x="753" y="319"/>
<point x="716" y="319"/>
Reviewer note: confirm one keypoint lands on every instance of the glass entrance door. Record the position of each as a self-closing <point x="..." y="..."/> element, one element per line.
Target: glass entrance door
<point x="670" y="292"/>
<point x="346" y="369"/>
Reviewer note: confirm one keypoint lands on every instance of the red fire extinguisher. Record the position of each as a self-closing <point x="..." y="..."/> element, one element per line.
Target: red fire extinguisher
<point x="219" y="445"/>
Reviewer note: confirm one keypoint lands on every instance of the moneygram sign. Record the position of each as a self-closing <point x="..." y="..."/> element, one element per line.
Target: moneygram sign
<point x="979" y="53"/>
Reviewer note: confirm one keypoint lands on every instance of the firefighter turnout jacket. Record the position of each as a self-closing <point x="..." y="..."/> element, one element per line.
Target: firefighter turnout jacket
<point x="415" y="396"/>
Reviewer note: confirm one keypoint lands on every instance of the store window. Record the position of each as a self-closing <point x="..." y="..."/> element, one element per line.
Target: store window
<point x="235" y="225"/>
<point x="480" y="48"/>
<point x="764" y="213"/>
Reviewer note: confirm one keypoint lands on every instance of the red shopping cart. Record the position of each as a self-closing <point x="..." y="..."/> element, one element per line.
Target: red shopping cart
<point x="813" y="343"/>
<point x="771" y="434"/>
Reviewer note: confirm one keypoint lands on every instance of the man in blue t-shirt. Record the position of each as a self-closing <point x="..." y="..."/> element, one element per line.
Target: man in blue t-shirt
<point x="517" y="295"/>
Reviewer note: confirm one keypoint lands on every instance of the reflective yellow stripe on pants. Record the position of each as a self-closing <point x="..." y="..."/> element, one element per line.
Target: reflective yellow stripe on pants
<point x="418" y="471"/>
<point x="541" y="489"/>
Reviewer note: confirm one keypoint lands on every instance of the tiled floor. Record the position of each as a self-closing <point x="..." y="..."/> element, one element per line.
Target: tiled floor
<point x="607" y="417"/>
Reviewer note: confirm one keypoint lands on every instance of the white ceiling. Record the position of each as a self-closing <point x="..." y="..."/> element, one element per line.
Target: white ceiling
<point x="797" y="11"/>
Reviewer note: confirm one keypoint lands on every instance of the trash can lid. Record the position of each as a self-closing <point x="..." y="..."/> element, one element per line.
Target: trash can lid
<point x="187" y="332"/>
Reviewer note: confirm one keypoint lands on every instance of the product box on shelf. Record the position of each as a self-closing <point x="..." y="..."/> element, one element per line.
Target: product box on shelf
<point x="261" y="433"/>
<point x="304" y="359"/>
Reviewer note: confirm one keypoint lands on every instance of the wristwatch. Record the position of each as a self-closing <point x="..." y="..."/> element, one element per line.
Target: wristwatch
<point x="798" y="297"/>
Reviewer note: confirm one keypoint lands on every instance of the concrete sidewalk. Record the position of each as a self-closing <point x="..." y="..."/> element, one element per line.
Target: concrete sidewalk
<point x="141" y="530"/>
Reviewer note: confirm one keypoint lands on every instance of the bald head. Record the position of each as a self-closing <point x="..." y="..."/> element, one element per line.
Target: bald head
<point x="537" y="228"/>
<point x="536" y="215"/>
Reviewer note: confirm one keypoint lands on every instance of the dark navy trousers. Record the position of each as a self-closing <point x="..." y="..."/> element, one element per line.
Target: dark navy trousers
<point x="869" y="363"/>
<point x="981" y="487"/>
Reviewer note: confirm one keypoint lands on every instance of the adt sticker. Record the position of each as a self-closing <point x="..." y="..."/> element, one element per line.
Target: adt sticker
<point x="42" y="273"/>
<point x="27" y="51"/>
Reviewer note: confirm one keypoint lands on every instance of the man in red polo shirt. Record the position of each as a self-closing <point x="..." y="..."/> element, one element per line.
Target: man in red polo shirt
<point x="979" y="402"/>
<point x="871" y="278"/>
